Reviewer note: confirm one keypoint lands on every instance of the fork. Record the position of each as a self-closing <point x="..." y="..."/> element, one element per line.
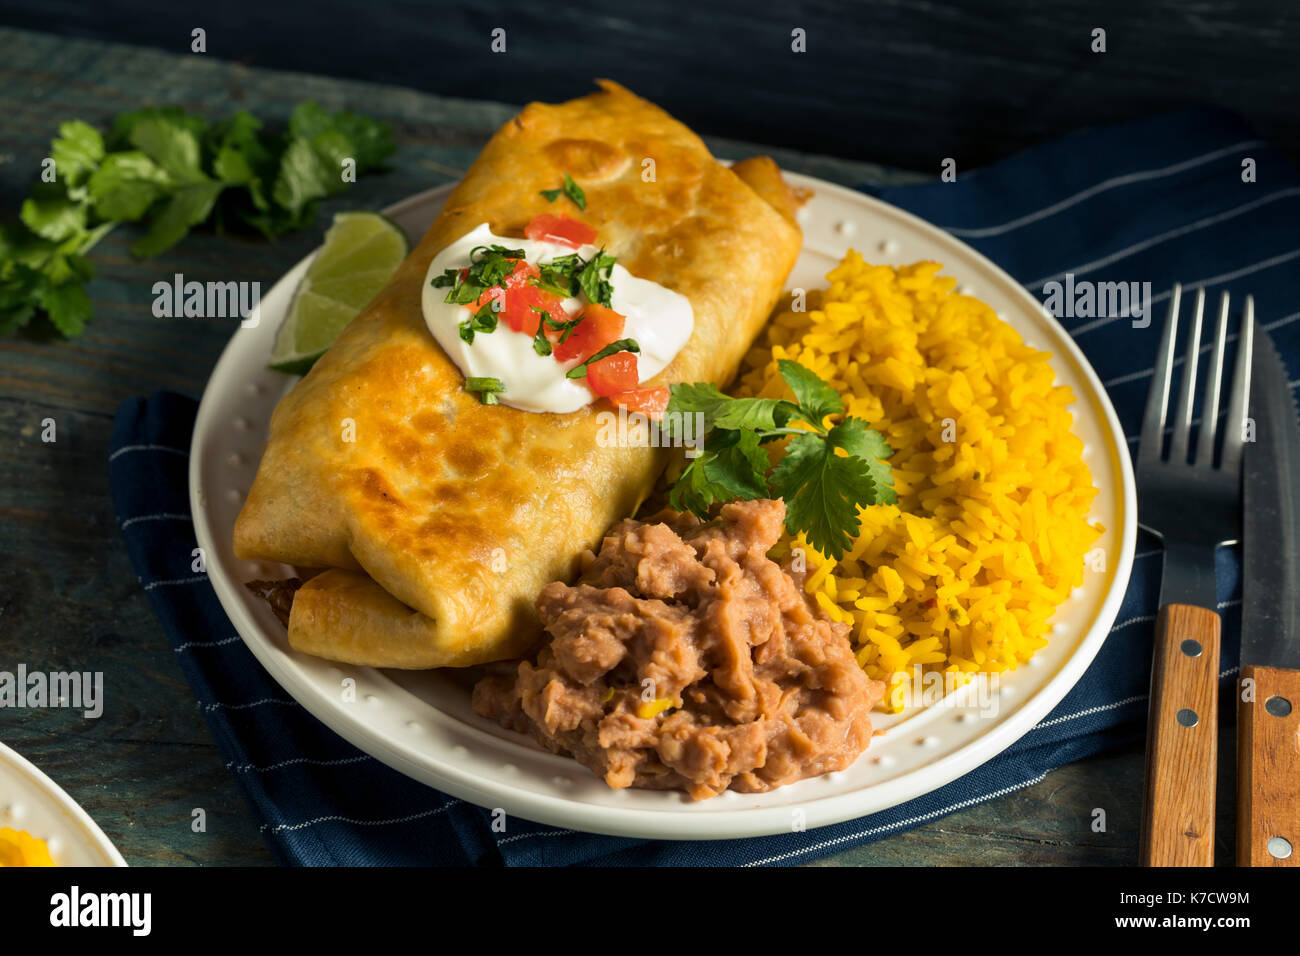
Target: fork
<point x="1193" y="507"/>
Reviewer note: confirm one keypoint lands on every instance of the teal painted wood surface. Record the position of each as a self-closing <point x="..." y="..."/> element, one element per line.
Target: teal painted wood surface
<point x="69" y="599"/>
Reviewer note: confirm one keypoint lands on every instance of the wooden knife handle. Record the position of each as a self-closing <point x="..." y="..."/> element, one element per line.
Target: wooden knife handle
<point x="1268" y="767"/>
<point x="1178" y="812"/>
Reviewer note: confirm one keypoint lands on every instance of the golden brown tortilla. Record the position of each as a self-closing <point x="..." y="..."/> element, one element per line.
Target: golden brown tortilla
<point x="442" y="518"/>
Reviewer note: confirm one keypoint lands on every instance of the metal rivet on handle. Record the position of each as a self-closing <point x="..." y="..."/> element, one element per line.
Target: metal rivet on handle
<point x="1191" y="648"/>
<point x="1278" y="706"/>
<point x="1278" y="848"/>
<point x="1187" y="717"/>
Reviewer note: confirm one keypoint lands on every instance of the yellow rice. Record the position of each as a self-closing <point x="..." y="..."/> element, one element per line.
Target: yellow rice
<point x="990" y="531"/>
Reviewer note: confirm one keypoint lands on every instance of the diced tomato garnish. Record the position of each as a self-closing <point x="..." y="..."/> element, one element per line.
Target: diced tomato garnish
<point x="613" y="374"/>
<point x="599" y="327"/>
<point x="518" y="298"/>
<point x="560" y="229"/>
<point x="652" y="402"/>
<point x="519" y="313"/>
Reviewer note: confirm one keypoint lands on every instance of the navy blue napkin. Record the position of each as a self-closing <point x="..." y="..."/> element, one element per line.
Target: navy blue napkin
<point x="1157" y="201"/>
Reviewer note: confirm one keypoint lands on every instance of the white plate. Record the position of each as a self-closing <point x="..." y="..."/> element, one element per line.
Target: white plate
<point x="421" y="722"/>
<point x="31" y="801"/>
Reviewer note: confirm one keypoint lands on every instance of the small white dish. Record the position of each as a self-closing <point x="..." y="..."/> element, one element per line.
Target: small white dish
<point x="31" y="801"/>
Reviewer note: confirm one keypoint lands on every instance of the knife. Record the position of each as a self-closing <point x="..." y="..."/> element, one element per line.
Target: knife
<point x="1268" y="699"/>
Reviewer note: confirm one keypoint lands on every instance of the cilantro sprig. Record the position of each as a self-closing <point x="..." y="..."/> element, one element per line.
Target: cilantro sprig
<point x="825" y="476"/>
<point x="170" y="170"/>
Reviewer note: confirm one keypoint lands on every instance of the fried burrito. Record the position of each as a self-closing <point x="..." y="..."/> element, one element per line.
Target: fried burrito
<point x="438" y="518"/>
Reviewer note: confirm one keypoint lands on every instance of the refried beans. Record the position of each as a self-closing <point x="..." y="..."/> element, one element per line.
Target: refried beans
<point x="685" y="658"/>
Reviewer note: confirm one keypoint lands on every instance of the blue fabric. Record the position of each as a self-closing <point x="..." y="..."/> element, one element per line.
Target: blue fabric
<point x="1161" y="201"/>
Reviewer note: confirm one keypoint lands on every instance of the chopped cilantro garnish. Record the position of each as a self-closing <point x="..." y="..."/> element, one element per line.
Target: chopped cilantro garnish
<point x="446" y="280"/>
<point x="570" y="275"/>
<point x="487" y="388"/>
<point x="560" y="275"/>
<point x="484" y="320"/>
<point x="488" y="267"/>
<point x="822" y="488"/>
<point x="574" y="192"/>
<point x="622" y="345"/>
<point x="596" y="287"/>
<point x="541" y="344"/>
<point x="564" y="328"/>
<point x="570" y="189"/>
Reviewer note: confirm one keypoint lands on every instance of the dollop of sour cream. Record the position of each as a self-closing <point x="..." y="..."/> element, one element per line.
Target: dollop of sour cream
<point x="660" y="320"/>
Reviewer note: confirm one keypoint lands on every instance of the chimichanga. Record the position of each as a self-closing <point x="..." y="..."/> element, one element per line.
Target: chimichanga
<point x="440" y="517"/>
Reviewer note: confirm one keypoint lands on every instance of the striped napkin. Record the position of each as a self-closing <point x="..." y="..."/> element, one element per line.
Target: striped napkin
<point x="1156" y="201"/>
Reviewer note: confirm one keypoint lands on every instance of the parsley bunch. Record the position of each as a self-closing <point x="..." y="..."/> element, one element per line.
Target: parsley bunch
<point x="171" y="170"/>
<point x="823" y="489"/>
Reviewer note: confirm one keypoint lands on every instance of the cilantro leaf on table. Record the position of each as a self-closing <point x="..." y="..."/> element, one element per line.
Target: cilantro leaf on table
<point x="76" y="152"/>
<point x="175" y="149"/>
<point x="125" y="185"/>
<point x="172" y="170"/>
<point x="186" y="207"/>
<point x="53" y="217"/>
<point x="822" y="488"/>
<point x="67" y="305"/>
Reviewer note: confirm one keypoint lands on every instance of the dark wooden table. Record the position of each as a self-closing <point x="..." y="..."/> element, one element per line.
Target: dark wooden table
<point x="69" y="598"/>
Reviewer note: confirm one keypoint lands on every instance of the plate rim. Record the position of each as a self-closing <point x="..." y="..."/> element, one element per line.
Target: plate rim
<point x="442" y="773"/>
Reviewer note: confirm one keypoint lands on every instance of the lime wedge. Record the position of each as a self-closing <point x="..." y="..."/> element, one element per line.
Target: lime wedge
<point x="361" y="252"/>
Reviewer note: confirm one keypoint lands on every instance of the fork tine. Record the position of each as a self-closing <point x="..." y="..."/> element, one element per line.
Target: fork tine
<point x="1152" y="438"/>
<point x="1213" y="381"/>
<point x="1238" y="403"/>
<point x="1183" y="417"/>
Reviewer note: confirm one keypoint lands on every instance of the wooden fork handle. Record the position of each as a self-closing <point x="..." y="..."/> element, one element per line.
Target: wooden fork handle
<point x="1182" y="739"/>
<point x="1268" y="767"/>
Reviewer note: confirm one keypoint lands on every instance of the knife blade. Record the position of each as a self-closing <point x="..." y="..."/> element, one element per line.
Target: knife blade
<point x="1271" y="472"/>
<point x="1268" y="705"/>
